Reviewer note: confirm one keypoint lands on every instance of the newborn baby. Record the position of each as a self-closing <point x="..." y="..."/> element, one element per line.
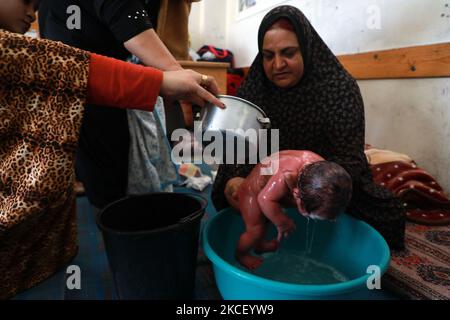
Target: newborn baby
<point x="317" y="188"/>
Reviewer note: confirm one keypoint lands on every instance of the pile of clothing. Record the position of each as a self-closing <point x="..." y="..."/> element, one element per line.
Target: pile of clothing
<point x="423" y="197"/>
<point x="422" y="270"/>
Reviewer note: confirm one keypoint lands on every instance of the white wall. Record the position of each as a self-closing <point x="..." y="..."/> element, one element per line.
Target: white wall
<point x="207" y="23"/>
<point x="410" y="116"/>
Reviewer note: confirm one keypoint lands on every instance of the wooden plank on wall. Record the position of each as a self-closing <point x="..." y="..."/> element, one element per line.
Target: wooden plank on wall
<point x="216" y="69"/>
<point x="427" y="61"/>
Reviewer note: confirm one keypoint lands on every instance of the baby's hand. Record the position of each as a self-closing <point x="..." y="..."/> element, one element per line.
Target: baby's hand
<point x="286" y="227"/>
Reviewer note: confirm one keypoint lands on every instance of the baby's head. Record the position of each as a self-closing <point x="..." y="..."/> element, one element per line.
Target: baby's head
<point x="323" y="190"/>
<point x="17" y="15"/>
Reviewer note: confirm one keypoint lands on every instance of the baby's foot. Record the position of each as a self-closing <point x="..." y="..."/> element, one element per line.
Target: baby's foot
<point x="249" y="261"/>
<point x="267" y="246"/>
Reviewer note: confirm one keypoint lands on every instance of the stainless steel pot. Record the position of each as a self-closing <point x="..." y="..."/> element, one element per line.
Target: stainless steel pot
<point x="238" y="114"/>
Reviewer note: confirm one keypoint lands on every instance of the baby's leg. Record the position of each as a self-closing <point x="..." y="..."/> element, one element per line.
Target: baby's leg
<point x="248" y="240"/>
<point x="255" y="228"/>
<point x="266" y="246"/>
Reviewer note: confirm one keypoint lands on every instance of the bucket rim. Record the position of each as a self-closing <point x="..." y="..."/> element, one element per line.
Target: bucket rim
<point x="188" y="219"/>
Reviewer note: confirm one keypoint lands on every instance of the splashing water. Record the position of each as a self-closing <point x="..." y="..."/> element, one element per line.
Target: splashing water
<point x="297" y="268"/>
<point x="311" y="241"/>
<point x="309" y="236"/>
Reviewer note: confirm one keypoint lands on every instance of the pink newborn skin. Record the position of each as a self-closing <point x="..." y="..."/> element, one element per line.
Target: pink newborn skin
<point x="260" y="197"/>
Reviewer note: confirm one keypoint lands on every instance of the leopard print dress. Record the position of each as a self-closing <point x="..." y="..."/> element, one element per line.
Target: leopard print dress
<point x="43" y="88"/>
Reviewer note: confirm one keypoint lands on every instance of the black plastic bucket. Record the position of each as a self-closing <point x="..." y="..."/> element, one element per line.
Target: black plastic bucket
<point x="152" y="242"/>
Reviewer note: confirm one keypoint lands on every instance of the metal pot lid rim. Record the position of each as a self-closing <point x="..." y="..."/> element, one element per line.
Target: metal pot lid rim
<point x="244" y="101"/>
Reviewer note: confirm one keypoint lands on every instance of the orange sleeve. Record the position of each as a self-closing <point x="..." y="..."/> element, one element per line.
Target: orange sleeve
<point x="124" y="85"/>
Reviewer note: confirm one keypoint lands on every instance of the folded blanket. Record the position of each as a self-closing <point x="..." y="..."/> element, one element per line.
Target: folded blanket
<point x="376" y="156"/>
<point x="425" y="200"/>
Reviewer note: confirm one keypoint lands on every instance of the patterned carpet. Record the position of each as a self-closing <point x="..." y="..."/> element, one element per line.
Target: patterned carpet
<point x="422" y="270"/>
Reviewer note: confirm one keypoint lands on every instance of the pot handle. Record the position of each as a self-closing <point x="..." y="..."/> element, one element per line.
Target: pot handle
<point x="265" y="122"/>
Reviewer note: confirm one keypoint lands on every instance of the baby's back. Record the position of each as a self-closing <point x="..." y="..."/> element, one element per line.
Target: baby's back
<point x="280" y="162"/>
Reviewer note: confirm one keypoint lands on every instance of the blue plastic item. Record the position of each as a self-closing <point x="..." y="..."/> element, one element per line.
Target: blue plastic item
<point x="348" y="245"/>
